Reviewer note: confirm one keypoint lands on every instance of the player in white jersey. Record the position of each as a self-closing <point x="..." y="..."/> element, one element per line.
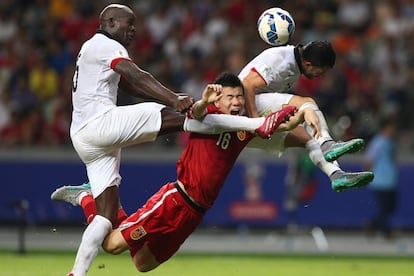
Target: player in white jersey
<point x="99" y="128"/>
<point x="269" y="77"/>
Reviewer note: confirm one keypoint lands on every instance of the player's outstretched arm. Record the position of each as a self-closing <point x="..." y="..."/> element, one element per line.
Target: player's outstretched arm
<point x="140" y="83"/>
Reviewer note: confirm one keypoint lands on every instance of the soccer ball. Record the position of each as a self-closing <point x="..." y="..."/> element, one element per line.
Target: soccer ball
<point x="276" y="26"/>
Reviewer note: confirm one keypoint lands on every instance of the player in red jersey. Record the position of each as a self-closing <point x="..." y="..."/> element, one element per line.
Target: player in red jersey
<point x="156" y="230"/>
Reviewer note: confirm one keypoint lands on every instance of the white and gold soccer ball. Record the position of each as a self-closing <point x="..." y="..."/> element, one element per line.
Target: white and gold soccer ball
<point x="276" y="26"/>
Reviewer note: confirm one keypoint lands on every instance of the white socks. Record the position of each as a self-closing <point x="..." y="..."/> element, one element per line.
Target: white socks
<point x="217" y="123"/>
<point x="92" y="239"/>
<point x="325" y="135"/>
<point x="316" y="155"/>
<point x="324" y="128"/>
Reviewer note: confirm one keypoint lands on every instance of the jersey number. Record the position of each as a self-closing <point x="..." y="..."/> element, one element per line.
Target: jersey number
<point x="224" y="140"/>
<point x="75" y="79"/>
<point x="76" y="75"/>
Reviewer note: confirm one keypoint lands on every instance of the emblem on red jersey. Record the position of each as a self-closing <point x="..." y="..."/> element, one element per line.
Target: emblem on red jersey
<point x="138" y="233"/>
<point x="241" y="135"/>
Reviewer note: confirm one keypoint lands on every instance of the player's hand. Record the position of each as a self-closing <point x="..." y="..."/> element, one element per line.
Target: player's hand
<point x="312" y="120"/>
<point x="183" y="102"/>
<point x="212" y="93"/>
<point x="292" y="123"/>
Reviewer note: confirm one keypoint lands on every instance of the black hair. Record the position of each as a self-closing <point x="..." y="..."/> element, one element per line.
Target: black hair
<point x="319" y="53"/>
<point x="228" y="79"/>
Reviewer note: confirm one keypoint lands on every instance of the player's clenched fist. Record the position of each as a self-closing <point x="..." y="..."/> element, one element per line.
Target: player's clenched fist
<point x="183" y="103"/>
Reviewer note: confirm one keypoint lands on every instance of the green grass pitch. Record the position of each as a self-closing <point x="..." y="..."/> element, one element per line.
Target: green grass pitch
<point x="58" y="263"/>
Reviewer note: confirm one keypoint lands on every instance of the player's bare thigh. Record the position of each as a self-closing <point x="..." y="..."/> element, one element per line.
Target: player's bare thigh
<point x="120" y="127"/>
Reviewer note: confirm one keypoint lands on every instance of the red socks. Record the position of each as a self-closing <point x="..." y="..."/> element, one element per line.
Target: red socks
<point x="121" y="216"/>
<point x="89" y="209"/>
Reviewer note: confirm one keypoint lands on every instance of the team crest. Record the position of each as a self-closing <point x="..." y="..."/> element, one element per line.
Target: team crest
<point x="119" y="53"/>
<point x="241" y="135"/>
<point x="138" y="233"/>
<point x="266" y="70"/>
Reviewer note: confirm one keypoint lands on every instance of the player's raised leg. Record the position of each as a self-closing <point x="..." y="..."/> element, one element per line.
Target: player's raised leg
<point x="316" y="120"/>
<point x="340" y="180"/>
<point x="343" y="181"/>
<point x="71" y="194"/>
<point x="333" y="150"/>
<point x="81" y="195"/>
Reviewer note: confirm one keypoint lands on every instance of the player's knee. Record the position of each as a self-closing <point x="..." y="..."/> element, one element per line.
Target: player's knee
<point x="172" y="121"/>
<point x="114" y="243"/>
<point x="112" y="248"/>
<point x="144" y="260"/>
<point x="308" y="100"/>
<point x="311" y="105"/>
<point x="145" y="265"/>
<point x="300" y="101"/>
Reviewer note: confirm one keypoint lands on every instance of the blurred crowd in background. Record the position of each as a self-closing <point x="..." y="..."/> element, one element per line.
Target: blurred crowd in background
<point x="186" y="44"/>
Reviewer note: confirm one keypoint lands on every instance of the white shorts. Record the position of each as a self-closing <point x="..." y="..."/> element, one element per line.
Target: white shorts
<point x="267" y="103"/>
<point x="99" y="143"/>
<point x="275" y="146"/>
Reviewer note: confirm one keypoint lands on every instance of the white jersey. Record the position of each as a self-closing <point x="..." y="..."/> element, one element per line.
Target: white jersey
<point x="278" y="68"/>
<point x="95" y="83"/>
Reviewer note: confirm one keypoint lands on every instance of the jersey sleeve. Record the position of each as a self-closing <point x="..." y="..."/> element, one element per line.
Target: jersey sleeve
<point x="114" y="53"/>
<point x="267" y="64"/>
<point x="212" y="109"/>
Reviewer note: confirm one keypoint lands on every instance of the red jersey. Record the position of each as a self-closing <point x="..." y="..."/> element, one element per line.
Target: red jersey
<point x="207" y="160"/>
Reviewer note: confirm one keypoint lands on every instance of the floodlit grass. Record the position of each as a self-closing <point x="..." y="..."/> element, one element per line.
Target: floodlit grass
<point x="59" y="263"/>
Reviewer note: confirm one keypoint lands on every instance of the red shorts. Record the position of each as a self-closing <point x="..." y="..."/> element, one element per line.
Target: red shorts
<point x="164" y="223"/>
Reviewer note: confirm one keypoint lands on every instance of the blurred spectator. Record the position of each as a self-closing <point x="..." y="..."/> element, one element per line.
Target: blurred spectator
<point x="194" y="85"/>
<point x="144" y="47"/>
<point x="8" y="26"/>
<point x="159" y="23"/>
<point x="173" y="51"/>
<point x="322" y="27"/>
<point x="217" y="25"/>
<point x="380" y="157"/>
<point x="5" y="109"/>
<point x="60" y="8"/>
<point x="59" y="56"/>
<point x="198" y="43"/>
<point x="35" y="19"/>
<point x="236" y="60"/>
<point x="10" y="133"/>
<point x="177" y="38"/>
<point x="43" y="79"/>
<point x="22" y="96"/>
